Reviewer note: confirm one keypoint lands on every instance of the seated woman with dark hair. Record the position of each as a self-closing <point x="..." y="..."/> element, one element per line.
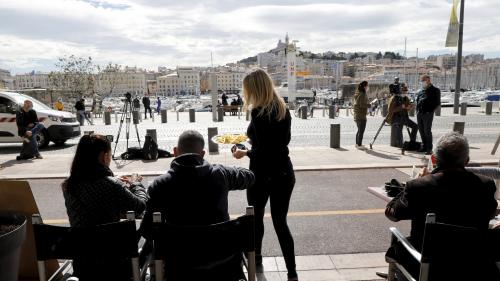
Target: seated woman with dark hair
<point x="94" y="196"/>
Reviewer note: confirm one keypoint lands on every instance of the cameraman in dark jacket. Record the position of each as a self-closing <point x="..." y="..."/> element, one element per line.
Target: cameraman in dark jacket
<point x="194" y="192"/>
<point x="428" y="99"/>
<point x="147" y="106"/>
<point x="456" y="196"/>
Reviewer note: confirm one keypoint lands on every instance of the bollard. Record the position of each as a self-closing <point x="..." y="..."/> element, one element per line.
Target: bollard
<point x="177" y="116"/>
<point x="303" y="112"/>
<point x="163" y="113"/>
<point x="152" y="133"/>
<point x="331" y="112"/>
<point x="135" y="117"/>
<point x="107" y="118"/>
<point x="153" y="118"/>
<point x="335" y="136"/>
<point x="394" y="136"/>
<point x="324" y="111"/>
<point x="437" y="112"/>
<point x="192" y="115"/>
<point x="463" y="108"/>
<point x="220" y="114"/>
<point x="248" y="115"/>
<point x="411" y="112"/>
<point x="489" y="107"/>
<point x="116" y="117"/>
<point x="459" y="127"/>
<point x="212" y="146"/>
<point x="384" y="110"/>
<point x="347" y="111"/>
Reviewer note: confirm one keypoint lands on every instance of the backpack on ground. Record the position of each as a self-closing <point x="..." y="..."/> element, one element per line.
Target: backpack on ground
<point x="150" y="149"/>
<point x="411" y="145"/>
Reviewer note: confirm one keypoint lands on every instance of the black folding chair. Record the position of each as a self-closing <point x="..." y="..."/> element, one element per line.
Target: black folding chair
<point x="111" y="243"/>
<point x="204" y="252"/>
<point x="450" y="252"/>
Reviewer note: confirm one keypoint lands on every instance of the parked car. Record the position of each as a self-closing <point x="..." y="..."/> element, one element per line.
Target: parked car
<point x="59" y="125"/>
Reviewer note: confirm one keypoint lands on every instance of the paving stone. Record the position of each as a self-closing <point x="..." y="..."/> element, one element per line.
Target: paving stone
<point x="317" y="275"/>
<point x="308" y="263"/>
<point x="356" y="274"/>
<point x="269" y="276"/>
<point x="359" y="260"/>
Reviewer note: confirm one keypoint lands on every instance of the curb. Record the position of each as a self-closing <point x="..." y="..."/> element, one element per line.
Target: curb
<point x="296" y="169"/>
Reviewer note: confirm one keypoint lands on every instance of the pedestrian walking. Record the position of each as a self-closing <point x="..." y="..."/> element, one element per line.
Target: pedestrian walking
<point x="269" y="133"/>
<point x="28" y="127"/>
<point x="224" y="101"/>
<point x="80" y="111"/>
<point x="158" y="105"/>
<point x="360" y="107"/>
<point x="428" y="99"/>
<point x="147" y="106"/>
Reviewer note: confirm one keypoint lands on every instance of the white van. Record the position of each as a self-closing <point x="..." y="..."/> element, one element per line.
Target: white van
<point x="59" y="125"/>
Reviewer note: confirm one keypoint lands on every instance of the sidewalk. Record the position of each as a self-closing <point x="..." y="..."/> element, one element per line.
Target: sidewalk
<point x="304" y="159"/>
<point x="346" y="267"/>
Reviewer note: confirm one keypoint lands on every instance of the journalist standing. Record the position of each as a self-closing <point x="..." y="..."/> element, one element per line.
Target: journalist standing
<point x="269" y="134"/>
<point x="147" y="106"/>
<point x="360" y="107"/>
<point x="428" y="99"/>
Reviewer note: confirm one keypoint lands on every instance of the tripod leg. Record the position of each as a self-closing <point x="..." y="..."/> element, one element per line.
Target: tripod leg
<point x="120" y="128"/>
<point x="137" y="132"/>
<point x="376" y="135"/>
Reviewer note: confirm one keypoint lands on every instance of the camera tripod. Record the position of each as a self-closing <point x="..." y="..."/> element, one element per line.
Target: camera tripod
<point x="126" y="116"/>
<point x="380" y="129"/>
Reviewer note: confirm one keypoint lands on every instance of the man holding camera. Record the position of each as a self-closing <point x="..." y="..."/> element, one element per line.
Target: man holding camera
<point x="399" y="104"/>
<point x="428" y="99"/>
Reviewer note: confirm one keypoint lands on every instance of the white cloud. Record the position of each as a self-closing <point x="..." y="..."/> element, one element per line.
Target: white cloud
<point x="149" y="33"/>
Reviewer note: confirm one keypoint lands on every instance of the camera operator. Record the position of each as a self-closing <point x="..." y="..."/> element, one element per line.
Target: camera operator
<point x="399" y="104"/>
<point x="395" y="88"/>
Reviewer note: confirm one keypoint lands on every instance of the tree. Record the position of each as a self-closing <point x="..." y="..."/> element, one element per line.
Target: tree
<point x="355" y="56"/>
<point x="378" y="56"/>
<point x="75" y="76"/>
<point x="108" y="78"/>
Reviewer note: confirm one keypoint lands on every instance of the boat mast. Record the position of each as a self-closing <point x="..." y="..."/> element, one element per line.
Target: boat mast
<point x="416" y="72"/>
<point x="404" y="64"/>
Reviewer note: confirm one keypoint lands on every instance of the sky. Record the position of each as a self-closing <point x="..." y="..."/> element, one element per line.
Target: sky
<point x="152" y="33"/>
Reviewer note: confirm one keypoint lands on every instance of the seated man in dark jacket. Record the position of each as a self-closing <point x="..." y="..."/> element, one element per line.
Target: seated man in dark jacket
<point x="28" y="127"/>
<point x="194" y="192"/>
<point x="455" y="195"/>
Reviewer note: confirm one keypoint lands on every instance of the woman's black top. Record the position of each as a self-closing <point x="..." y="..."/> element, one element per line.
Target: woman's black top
<point x="269" y="138"/>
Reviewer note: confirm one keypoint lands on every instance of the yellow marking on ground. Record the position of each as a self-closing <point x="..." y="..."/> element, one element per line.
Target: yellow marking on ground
<point x="60" y="221"/>
<point x="290" y="214"/>
<point x="328" y="213"/>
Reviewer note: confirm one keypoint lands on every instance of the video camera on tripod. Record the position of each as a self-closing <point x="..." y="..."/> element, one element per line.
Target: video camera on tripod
<point x="126" y="116"/>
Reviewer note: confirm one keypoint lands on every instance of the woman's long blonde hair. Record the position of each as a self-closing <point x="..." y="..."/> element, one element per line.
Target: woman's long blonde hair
<point x="258" y="90"/>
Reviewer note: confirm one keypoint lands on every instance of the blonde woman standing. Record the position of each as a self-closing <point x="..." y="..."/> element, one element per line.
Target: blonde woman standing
<point x="269" y="134"/>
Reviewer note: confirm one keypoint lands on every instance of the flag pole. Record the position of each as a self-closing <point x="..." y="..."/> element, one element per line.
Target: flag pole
<point x="459" y="59"/>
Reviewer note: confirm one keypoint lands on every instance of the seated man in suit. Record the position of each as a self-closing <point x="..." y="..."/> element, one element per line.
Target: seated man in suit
<point x="455" y="195"/>
<point x="194" y="192"/>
